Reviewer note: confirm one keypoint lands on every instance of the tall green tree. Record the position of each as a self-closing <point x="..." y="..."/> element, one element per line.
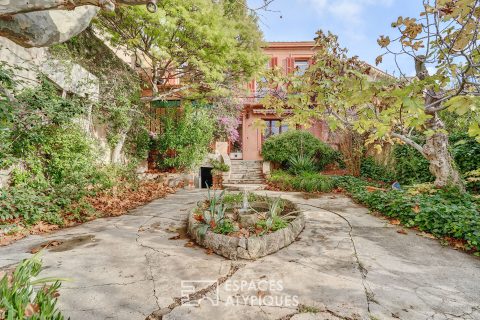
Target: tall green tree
<point x="208" y="45"/>
<point x="339" y="89"/>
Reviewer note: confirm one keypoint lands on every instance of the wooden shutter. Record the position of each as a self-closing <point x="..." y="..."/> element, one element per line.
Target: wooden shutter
<point x="290" y="65"/>
<point x="251" y="86"/>
<point x="273" y="62"/>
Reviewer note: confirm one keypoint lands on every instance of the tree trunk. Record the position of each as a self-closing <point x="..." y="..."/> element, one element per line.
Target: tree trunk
<point x="116" y="155"/>
<point x="11" y="7"/>
<point x="45" y="28"/>
<point x="436" y="151"/>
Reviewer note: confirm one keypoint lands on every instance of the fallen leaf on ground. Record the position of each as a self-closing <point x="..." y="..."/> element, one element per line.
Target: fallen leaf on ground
<point x="395" y="222"/>
<point x="416" y="208"/>
<point x="402" y="231"/>
<point x="427" y="235"/>
<point x="31" y="309"/>
<point x="190" y="244"/>
<point x="53" y="243"/>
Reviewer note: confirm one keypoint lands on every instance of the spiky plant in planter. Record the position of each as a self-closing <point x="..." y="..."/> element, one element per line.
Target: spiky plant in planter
<point x="217" y="173"/>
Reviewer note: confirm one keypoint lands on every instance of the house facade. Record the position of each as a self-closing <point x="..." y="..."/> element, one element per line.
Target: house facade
<point x="290" y="57"/>
<point x="245" y="155"/>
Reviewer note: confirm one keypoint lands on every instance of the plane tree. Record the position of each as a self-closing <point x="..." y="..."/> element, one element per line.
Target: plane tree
<point x="443" y="45"/>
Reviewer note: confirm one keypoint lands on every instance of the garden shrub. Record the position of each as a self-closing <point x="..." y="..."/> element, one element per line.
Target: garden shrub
<point x="444" y="213"/>
<point x="410" y="166"/>
<point x="280" y="148"/>
<point x="300" y="163"/>
<point x="185" y="138"/>
<point x="23" y="296"/>
<point x="56" y="174"/>
<point x="465" y="151"/>
<point x="369" y="168"/>
<point x="304" y="181"/>
<point x="55" y="162"/>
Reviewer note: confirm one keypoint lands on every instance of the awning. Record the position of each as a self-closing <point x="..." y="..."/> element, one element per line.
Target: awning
<point x="177" y="103"/>
<point x="166" y="103"/>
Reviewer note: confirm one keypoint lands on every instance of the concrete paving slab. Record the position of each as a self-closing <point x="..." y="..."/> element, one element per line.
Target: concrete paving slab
<point x="346" y="264"/>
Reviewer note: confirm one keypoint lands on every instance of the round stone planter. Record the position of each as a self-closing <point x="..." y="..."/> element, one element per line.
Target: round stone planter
<point x="247" y="248"/>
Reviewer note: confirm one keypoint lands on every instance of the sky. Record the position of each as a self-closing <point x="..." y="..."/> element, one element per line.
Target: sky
<point x="358" y="23"/>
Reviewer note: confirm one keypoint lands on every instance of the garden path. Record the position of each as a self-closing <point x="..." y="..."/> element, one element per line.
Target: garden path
<point x="346" y="264"/>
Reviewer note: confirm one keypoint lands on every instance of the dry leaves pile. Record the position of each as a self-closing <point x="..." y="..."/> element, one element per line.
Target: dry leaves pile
<point x="107" y="204"/>
<point x="119" y="203"/>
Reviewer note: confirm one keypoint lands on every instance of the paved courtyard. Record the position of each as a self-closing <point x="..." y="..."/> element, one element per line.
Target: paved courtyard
<point x="346" y="264"/>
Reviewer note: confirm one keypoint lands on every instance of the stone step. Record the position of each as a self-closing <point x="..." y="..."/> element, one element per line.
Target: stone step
<point x="236" y="173"/>
<point x="241" y="187"/>
<point x="245" y="181"/>
<point x="247" y="169"/>
<point x="245" y="178"/>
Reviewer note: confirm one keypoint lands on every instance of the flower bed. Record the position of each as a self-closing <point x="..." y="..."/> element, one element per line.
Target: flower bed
<point x="268" y="225"/>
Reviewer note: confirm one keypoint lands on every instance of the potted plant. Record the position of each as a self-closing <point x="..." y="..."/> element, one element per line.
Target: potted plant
<point x="218" y="168"/>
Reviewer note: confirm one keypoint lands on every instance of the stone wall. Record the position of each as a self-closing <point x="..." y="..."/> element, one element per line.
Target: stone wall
<point x="72" y="78"/>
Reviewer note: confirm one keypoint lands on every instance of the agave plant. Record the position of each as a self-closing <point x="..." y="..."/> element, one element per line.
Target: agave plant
<point x="275" y="219"/>
<point x="214" y="215"/>
<point x="301" y="163"/>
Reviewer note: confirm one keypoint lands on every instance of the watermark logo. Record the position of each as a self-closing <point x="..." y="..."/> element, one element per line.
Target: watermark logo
<point x="190" y="287"/>
<point x="238" y="292"/>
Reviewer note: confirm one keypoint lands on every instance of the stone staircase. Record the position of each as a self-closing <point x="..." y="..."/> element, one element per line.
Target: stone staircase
<point x="245" y="172"/>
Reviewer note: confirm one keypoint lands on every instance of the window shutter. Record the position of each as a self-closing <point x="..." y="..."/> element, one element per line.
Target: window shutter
<point x="273" y="62"/>
<point x="290" y="65"/>
<point x="251" y="86"/>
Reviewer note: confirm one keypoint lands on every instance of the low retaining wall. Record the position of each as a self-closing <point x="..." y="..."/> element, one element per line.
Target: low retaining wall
<point x="247" y="248"/>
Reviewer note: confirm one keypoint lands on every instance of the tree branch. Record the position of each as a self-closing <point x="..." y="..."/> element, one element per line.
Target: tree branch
<point x="409" y="141"/>
<point x="25" y="6"/>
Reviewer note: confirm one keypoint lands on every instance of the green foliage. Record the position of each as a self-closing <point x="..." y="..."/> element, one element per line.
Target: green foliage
<point x="300" y="163"/>
<point x="219" y="167"/>
<point x="272" y="224"/>
<point x="473" y="181"/>
<point x="369" y="168"/>
<point x="214" y="216"/>
<point x="444" y="213"/>
<point x="465" y="151"/>
<point x="305" y="181"/>
<point x="119" y="107"/>
<point x="56" y="165"/>
<point x="22" y="297"/>
<point x="224" y="227"/>
<point x="237" y="198"/>
<point x="204" y="42"/>
<point x="274" y="220"/>
<point x="410" y="166"/>
<point x="280" y="148"/>
<point x="186" y="135"/>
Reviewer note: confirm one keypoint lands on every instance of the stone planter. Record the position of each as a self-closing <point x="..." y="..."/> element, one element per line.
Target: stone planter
<point x="247" y="248"/>
<point x="217" y="181"/>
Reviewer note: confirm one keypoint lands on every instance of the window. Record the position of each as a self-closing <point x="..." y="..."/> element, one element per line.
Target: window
<point x="300" y="66"/>
<point x="274" y="127"/>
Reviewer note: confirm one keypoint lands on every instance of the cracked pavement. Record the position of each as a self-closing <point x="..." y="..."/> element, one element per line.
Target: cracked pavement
<point x="346" y="264"/>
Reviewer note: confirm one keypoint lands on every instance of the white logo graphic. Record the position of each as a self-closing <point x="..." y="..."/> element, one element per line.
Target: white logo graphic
<point x="237" y="292"/>
<point x="189" y="287"/>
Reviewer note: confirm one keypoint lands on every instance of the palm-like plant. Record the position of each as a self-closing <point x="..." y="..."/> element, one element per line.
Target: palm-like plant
<point x="301" y="163"/>
<point x="215" y="214"/>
